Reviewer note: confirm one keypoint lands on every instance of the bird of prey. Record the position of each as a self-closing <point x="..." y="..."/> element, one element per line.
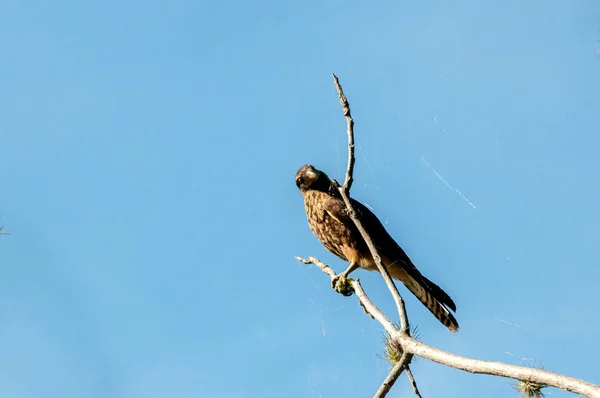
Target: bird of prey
<point x="330" y="221"/>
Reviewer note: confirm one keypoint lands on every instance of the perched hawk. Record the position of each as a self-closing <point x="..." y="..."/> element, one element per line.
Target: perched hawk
<point x="329" y="220"/>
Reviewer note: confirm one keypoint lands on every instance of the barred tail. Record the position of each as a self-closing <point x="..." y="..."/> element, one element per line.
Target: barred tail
<point x="428" y="293"/>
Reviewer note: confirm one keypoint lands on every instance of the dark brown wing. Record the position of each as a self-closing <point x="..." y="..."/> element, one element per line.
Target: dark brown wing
<point x="397" y="261"/>
<point x="384" y="243"/>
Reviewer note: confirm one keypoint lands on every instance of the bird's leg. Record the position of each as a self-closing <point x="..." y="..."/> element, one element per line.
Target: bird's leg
<point x="351" y="268"/>
<point x="339" y="282"/>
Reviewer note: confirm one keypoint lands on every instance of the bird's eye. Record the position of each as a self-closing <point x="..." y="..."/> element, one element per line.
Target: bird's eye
<point x="299" y="180"/>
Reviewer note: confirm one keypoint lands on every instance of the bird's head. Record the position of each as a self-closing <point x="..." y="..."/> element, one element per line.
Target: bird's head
<point x="310" y="178"/>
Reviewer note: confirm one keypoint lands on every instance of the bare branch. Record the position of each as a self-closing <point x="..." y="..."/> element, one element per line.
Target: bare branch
<point x="470" y="365"/>
<point x="404" y="326"/>
<point x="350" y="122"/>
<point x="345" y="190"/>
<point x="497" y="368"/>
<point x="366" y="303"/>
<point x="412" y="382"/>
<point x="372" y="309"/>
<point x="324" y="267"/>
<point x="375" y="313"/>
<point x="396" y="371"/>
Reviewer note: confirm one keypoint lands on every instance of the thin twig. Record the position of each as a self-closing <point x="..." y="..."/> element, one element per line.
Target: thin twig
<point x="367" y="304"/>
<point x="391" y="378"/>
<point x="412" y="381"/>
<point x="345" y="192"/>
<point x="403" y="362"/>
<point x="324" y="267"/>
<point x="350" y="122"/>
<point x="404" y="325"/>
<point x="372" y="309"/>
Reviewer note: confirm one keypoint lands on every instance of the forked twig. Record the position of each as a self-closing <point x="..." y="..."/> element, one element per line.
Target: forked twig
<point x="411" y="378"/>
<point x="350" y="123"/>
<point x="345" y="192"/>
<point x="396" y="371"/>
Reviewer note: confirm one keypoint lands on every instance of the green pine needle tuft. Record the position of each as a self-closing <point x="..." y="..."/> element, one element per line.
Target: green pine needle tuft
<point x="529" y="389"/>
<point x="392" y="350"/>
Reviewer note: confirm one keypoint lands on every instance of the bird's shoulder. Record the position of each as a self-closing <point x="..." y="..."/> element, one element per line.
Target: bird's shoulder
<point x="336" y="207"/>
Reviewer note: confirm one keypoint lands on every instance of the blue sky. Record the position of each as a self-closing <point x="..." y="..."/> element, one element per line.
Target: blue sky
<point x="148" y="157"/>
